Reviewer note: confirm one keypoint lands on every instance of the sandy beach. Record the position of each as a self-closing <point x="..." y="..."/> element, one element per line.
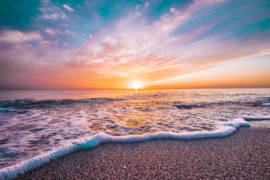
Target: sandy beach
<point x="243" y="155"/>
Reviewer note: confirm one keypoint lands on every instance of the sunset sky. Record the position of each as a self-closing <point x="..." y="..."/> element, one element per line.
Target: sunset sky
<point x="106" y="44"/>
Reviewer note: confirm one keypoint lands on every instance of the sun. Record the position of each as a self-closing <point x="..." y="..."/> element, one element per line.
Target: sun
<point x="136" y="84"/>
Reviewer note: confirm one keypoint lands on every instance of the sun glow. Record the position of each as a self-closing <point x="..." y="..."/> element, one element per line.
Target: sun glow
<point x="136" y="85"/>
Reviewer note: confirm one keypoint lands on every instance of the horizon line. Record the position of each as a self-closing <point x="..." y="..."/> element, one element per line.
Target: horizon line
<point x="68" y="89"/>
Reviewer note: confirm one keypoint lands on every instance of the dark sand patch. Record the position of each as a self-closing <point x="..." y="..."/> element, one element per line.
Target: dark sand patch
<point x="243" y="155"/>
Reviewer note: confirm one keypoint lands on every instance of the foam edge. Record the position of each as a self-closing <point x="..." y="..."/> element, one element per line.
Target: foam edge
<point x="224" y="129"/>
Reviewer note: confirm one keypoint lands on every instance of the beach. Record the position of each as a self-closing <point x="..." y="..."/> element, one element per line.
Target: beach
<point x="161" y="134"/>
<point x="243" y="155"/>
<point x="134" y="89"/>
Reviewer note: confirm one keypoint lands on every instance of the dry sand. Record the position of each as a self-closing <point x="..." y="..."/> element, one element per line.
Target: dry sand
<point x="243" y="155"/>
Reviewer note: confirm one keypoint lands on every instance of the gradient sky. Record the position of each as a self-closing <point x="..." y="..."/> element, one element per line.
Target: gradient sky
<point x="89" y="44"/>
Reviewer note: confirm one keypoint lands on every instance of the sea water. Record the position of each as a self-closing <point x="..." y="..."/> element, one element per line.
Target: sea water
<point x="38" y="126"/>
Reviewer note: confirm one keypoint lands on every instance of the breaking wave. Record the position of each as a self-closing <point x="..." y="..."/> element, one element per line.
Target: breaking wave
<point x="225" y="129"/>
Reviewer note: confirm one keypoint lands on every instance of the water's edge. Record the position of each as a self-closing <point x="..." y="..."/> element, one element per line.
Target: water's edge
<point x="227" y="128"/>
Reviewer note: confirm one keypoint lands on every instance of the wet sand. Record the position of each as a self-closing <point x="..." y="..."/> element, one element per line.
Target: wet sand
<point x="243" y="155"/>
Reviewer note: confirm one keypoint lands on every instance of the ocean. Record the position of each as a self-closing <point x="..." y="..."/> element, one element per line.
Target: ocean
<point x="39" y="126"/>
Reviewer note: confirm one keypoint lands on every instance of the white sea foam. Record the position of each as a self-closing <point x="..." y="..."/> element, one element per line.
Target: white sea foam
<point x="224" y="129"/>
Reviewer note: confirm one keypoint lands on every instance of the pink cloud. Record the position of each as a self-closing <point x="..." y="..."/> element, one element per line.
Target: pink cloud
<point x="126" y="50"/>
<point x="50" y="31"/>
<point x="15" y="36"/>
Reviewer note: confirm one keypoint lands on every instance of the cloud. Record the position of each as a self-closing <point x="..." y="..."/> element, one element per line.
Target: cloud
<point x="50" y="31"/>
<point x="68" y="8"/>
<point x="44" y="42"/>
<point x="173" y="10"/>
<point x="54" y="16"/>
<point x="143" y="47"/>
<point x="19" y="37"/>
<point x="51" y="12"/>
<point x="137" y="7"/>
<point x="131" y="47"/>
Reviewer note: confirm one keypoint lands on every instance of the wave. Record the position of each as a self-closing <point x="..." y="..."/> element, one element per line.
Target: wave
<point x="222" y="103"/>
<point x="32" y="103"/>
<point x="50" y="103"/>
<point x="224" y="129"/>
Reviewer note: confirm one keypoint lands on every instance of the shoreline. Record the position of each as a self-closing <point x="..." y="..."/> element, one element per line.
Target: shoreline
<point x="226" y="128"/>
<point x="244" y="154"/>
